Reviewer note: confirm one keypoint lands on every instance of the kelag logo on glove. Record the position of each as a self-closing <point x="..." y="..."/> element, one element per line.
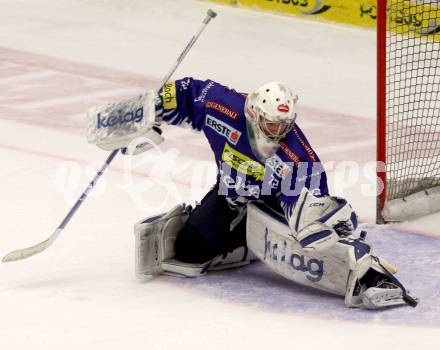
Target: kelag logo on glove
<point x="112" y="120"/>
<point x="115" y="125"/>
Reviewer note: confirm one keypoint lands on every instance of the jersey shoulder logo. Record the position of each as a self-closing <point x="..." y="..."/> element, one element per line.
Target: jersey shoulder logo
<point x="223" y="129"/>
<point x="242" y="163"/>
<point x="204" y="93"/>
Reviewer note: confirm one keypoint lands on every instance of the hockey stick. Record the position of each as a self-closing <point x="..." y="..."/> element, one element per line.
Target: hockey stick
<point x="38" y="248"/>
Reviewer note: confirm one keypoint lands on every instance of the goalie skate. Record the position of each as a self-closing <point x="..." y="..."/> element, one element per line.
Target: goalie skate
<point x="384" y="296"/>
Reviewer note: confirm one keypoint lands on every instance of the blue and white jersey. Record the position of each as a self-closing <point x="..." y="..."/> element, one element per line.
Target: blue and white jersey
<point x="218" y="112"/>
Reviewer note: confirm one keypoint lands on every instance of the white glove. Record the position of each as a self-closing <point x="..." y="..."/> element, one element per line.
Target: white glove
<point x="319" y="222"/>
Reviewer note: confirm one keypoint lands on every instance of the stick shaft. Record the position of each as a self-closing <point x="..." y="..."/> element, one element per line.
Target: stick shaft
<point x="89" y="187"/>
<point x="38" y="248"/>
<point x="210" y="15"/>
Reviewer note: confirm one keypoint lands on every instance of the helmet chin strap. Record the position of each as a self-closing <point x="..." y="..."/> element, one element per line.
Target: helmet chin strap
<point x="261" y="146"/>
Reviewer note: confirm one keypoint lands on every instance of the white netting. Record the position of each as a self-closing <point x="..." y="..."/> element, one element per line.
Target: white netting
<point x="413" y="97"/>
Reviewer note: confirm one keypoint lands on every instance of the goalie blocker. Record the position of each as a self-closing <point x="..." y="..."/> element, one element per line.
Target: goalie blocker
<point x="349" y="268"/>
<point x="128" y="124"/>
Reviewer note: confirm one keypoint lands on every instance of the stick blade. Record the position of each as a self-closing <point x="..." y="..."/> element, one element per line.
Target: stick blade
<point x="21" y="254"/>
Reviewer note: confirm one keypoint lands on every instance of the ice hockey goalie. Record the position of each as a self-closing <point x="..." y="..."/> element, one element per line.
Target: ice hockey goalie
<point x="270" y="201"/>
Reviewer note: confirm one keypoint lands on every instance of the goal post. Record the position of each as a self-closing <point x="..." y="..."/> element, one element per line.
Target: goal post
<point x="408" y="108"/>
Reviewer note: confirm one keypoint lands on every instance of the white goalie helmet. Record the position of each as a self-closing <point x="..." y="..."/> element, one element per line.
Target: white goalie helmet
<point x="271" y="115"/>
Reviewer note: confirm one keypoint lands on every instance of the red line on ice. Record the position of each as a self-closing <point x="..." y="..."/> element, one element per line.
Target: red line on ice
<point x="72" y="80"/>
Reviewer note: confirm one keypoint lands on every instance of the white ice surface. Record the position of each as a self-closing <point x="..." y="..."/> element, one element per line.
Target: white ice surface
<point x="82" y="293"/>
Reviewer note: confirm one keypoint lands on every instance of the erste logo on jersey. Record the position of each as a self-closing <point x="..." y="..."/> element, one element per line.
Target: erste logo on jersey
<point x="242" y="163"/>
<point x="227" y="131"/>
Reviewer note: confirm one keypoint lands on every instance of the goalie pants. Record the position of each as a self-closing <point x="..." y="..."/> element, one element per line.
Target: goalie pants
<point x="207" y="233"/>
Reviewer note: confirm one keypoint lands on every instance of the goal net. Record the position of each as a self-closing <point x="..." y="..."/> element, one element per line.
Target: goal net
<point x="408" y="108"/>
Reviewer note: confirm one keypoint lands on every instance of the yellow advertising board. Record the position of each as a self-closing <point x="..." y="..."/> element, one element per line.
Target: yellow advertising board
<point x="404" y="16"/>
<point x="355" y="12"/>
<point x="414" y="19"/>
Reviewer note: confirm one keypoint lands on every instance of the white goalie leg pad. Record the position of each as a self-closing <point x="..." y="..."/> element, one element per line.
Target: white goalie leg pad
<point x="319" y="222"/>
<point x="154" y="240"/>
<point x="337" y="270"/>
<point x="154" y="245"/>
<point x="271" y="240"/>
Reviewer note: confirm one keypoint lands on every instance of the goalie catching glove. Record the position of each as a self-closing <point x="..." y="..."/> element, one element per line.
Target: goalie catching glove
<point x="117" y="125"/>
<point x="319" y="222"/>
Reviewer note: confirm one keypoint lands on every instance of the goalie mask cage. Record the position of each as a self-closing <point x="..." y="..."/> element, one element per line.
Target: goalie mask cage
<point x="408" y="108"/>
